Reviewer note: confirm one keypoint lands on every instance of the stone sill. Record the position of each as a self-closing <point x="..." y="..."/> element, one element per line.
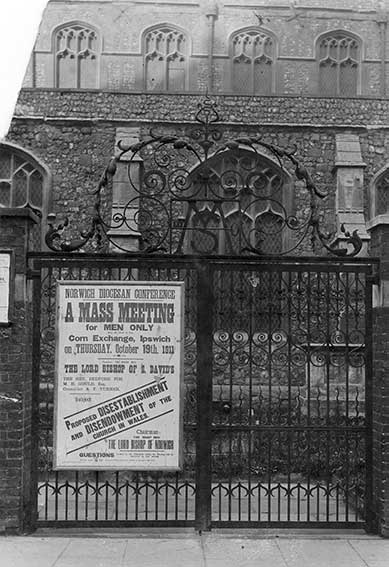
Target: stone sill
<point x="350" y="164"/>
<point x="378" y="220"/>
<point x="18" y="212"/>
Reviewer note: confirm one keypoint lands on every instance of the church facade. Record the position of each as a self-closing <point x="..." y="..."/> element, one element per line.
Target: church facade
<point x="271" y="123"/>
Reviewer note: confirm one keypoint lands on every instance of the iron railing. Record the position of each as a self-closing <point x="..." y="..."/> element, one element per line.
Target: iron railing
<point x="277" y="421"/>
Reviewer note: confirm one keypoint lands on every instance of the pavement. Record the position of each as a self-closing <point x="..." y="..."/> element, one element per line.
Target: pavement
<point x="234" y="548"/>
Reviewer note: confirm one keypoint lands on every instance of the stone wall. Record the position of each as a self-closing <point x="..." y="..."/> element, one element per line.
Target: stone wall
<point x="254" y="110"/>
<point x="120" y="26"/>
<point x="76" y="156"/>
<point x="73" y="133"/>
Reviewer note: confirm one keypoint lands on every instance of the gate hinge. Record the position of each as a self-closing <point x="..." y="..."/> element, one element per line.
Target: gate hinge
<point x="33" y="274"/>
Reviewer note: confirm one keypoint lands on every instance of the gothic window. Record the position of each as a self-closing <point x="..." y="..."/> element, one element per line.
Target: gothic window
<point x="22" y="184"/>
<point x="76" y="57"/>
<point x="382" y="195"/>
<point x="165" y="50"/>
<point x="239" y="201"/>
<point x="339" y="63"/>
<point x="252" y="59"/>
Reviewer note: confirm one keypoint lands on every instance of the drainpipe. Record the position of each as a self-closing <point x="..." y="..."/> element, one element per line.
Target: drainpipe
<point x="382" y="22"/>
<point x="211" y="15"/>
<point x="33" y="66"/>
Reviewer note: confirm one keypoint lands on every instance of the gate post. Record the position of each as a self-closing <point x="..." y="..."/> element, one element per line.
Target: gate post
<point x="379" y="231"/>
<point x="204" y="397"/>
<point x="16" y="377"/>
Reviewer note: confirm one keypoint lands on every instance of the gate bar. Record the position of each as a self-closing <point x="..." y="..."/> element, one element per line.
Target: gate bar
<point x="370" y="516"/>
<point x="204" y="397"/>
<point x="31" y="515"/>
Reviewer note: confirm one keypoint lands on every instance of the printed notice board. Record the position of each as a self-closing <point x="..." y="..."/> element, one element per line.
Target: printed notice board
<point x="5" y="286"/>
<point x="119" y="375"/>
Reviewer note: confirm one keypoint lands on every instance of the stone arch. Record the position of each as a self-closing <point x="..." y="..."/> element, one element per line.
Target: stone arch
<point x="236" y="191"/>
<point x="379" y="194"/>
<point x="25" y="182"/>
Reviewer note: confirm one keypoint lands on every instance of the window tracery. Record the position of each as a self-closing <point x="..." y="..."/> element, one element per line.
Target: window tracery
<point x="253" y="57"/>
<point x="76" y="57"/>
<point x="339" y="62"/>
<point x="22" y="185"/>
<point x="382" y="195"/>
<point x="240" y="203"/>
<point x="165" y="50"/>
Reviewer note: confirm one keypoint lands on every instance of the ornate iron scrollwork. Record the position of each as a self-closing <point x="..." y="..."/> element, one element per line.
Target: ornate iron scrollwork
<point x="199" y="194"/>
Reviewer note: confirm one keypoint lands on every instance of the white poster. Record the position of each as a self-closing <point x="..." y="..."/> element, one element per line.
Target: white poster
<point x="5" y="270"/>
<point x="119" y="374"/>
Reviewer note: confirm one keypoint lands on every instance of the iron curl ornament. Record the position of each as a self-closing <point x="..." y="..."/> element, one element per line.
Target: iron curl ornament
<point x="203" y="194"/>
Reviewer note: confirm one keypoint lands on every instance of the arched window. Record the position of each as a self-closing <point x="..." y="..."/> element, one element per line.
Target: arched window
<point x="165" y="51"/>
<point x="339" y="55"/>
<point x="22" y="184"/>
<point x="382" y="194"/>
<point x="252" y="60"/>
<point x="238" y="200"/>
<point x="76" y="49"/>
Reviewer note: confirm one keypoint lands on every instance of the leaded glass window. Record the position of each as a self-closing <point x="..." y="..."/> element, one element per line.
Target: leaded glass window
<point x="76" y="57"/>
<point x="382" y="195"/>
<point x="253" y="55"/>
<point x="165" y="50"/>
<point x="238" y="201"/>
<point x="21" y="185"/>
<point x="339" y="63"/>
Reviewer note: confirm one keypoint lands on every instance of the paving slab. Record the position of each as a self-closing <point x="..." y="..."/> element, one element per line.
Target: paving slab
<point x="328" y="553"/>
<point x="242" y="552"/>
<point x="164" y="553"/>
<point x="31" y="551"/>
<point x="375" y="554"/>
<point x="93" y="553"/>
<point x="235" y="548"/>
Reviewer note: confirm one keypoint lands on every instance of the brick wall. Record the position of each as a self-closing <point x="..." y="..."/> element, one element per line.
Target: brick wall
<point x="380" y="391"/>
<point x="381" y="419"/>
<point x="15" y="381"/>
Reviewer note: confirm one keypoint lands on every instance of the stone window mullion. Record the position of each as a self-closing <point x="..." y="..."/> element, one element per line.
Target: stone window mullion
<point x="78" y="60"/>
<point x="252" y="66"/>
<point x="338" y="68"/>
<point x="166" y="64"/>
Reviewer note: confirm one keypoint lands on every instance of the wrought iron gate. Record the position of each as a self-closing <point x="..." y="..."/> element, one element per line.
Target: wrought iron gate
<point x="277" y="397"/>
